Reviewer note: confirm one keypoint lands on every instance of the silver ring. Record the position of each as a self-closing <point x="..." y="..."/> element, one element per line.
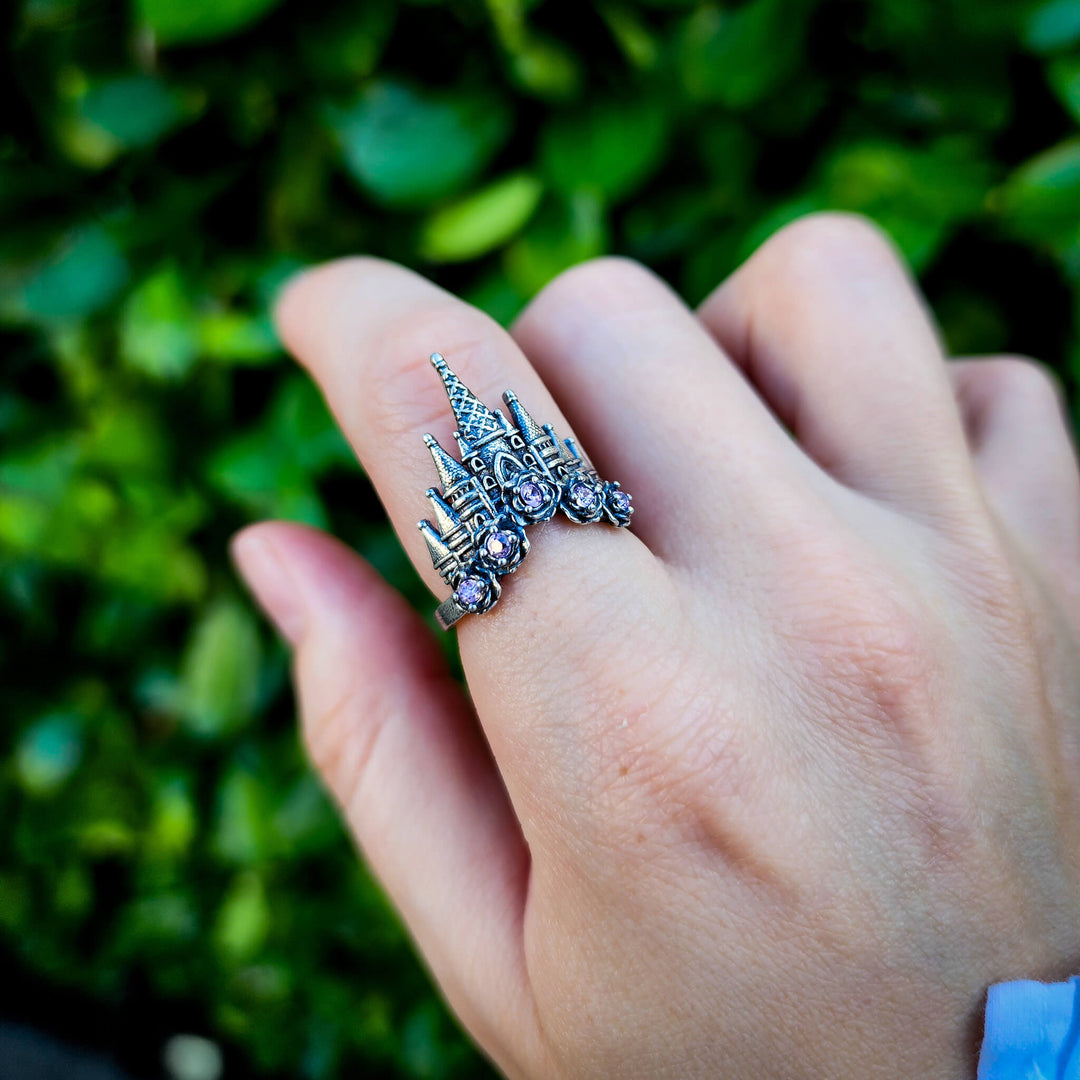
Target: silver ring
<point x="511" y="474"/>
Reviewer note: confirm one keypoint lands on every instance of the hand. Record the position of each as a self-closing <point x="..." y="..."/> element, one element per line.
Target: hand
<point x="772" y="785"/>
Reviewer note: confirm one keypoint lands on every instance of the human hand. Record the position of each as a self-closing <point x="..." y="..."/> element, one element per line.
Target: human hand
<point x="782" y="778"/>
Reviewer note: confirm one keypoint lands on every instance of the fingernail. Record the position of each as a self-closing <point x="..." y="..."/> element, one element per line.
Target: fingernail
<point x="270" y="582"/>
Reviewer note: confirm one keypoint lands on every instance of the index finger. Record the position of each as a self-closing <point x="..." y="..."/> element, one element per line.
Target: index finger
<point x="365" y="329"/>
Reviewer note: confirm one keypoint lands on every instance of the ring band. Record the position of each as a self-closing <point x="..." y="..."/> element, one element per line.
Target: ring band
<point x="448" y="612"/>
<point x="512" y="474"/>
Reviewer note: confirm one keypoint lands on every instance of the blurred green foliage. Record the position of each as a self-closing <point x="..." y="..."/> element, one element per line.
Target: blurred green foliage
<point x="164" y="851"/>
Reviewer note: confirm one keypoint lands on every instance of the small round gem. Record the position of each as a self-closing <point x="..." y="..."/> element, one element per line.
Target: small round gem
<point x="620" y="502"/>
<point x="582" y="495"/>
<point x="499" y="545"/>
<point x="470" y="591"/>
<point x="531" y="495"/>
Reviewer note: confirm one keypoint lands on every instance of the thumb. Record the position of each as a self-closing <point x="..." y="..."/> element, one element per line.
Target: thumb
<point x="394" y="739"/>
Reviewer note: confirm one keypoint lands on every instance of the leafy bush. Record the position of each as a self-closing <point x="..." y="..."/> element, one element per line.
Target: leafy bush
<point x="165" y="853"/>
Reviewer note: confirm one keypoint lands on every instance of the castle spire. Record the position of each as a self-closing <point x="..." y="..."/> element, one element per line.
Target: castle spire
<point x="450" y="470"/>
<point x="474" y="418"/>
<point x="446" y="521"/>
<point x="531" y="431"/>
<point x="442" y="556"/>
<point x="570" y="452"/>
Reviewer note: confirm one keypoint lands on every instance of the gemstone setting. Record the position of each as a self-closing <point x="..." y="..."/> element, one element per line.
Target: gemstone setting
<point x="470" y="592"/>
<point x="531" y="495"/>
<point x="500" y="546"/>
<point x="583" y="495"/>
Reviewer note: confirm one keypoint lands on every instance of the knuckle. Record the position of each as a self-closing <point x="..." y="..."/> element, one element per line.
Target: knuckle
<point x="640" y="767"/>
<point x="659" y="788"/>
<point x="829" y="240"/>
<point x="860" y="643"/>
<point x="1025" y="379"/>
<point x="610" y="281"/>
<point x="875" y="666"/>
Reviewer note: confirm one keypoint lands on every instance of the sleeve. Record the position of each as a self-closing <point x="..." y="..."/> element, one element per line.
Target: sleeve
<point x="1031" y="1032"/>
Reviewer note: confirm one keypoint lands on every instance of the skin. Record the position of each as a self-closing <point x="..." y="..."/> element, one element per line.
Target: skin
<point x="773" y="784"/>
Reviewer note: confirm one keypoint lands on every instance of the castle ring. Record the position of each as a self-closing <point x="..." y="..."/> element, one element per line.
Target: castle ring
<point x="513" y="473"/>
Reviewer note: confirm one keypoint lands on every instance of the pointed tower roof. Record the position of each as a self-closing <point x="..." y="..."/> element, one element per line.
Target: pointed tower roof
<point x="529" y="428"/>
<point x="438" y="549"/>
<point x="450" y="470"/>
<point x="474" y="418"/>
<point x="446" y="521"/>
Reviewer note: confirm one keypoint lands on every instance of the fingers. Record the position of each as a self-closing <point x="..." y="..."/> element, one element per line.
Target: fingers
<point x="644" y="384"/>
<point x="365" y="329"/>
<point x="394" y="740"/>
<point x="1017" y="427"/>
<point x="831" y="330"/>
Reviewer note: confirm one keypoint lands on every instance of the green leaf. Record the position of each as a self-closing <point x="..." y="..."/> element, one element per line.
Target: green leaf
<point x="243" y="920"/>
<point x="1064" y="77"/>
<point x="919" y="196"/>
<point x="347" y="42"/>
<point x="564" y="233"/>
<point x="1041" y="200"/>
<point x="157" y="332"/>
<point x="79" y="278"/>
<point x="633" y="37"/>
<point x="104" y="837"/>
<point x="546" y="69"/>
<point x="302" y="422"/>
<point x="151" y="559"/>
<point x="271" y="469"/>
<point x="481" y="222"/>
<point x="241" y="832"/>
<point x="220" y="672"/>
<point x="609" y="149"/>
<point x="24" y="521"/>
<point x="496" y="295"/>
<point x="176" y="22"/>
<point x="737" y="57"/>
<point x="236" y="338"/>
<point x="136" y="110"/>
<point x="48" y="753"/>
<point x="304" y="820"/>
<point x="1053" y="26"/>
<point x="408" y="147"/>
<point x="174" y="819"/>
<point x="672" y="223"/>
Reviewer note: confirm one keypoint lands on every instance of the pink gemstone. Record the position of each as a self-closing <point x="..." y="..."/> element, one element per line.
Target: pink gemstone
<point x="531" y="495"/>
<point x="499" y="544"/>
<point x="470" y="591"/>
<point x="582" y="495"/>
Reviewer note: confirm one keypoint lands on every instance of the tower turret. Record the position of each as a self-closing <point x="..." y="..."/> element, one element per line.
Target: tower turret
<point x="541" y="441"/>
<point x="442" y="555"/>
<point x="451" y="471"/>
<point x="474" y="418"/>
<point x="451" y="528"/>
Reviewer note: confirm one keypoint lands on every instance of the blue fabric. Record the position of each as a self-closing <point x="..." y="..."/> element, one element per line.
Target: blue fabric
<point x="1032" y="1032"/>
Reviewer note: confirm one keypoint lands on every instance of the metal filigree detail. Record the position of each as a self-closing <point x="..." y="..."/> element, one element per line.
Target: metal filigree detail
<point x="512" y="472"/>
